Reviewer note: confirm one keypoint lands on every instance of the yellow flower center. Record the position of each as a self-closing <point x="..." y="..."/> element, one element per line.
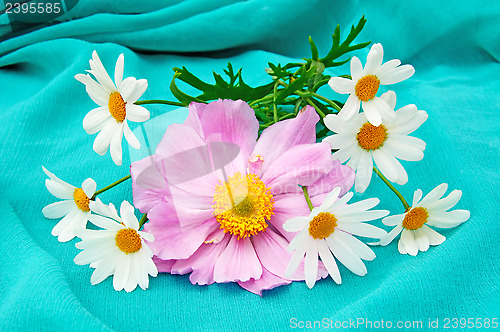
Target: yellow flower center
<point x="116" y="106"/>
<point x="370" y="137"/>
<point x="416" y="218"/>
<point x="128" y="240"/>
<point x="242" y="205"/>
<point x="81" y="200"/>
<point x="322" y="226"/>
<point x="367" y="87"/>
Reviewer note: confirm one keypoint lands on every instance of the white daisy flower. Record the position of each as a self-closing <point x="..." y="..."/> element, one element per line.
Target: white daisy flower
<point x="74" y="207"/>
<point x="416" y="235"/>
<point x="364" y="85"/>
<point x="328" y="231"/>
<point x="119" y="249"/>
<point x="116" y="101"/>
<point x="362" y="143"/>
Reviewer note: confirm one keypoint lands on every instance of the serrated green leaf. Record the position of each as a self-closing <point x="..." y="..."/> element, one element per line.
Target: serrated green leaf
<point x="314" y="49"/>
<point x="184" y="98"/>
<point x="222" y="89"/>
<point x="303" y="78"/>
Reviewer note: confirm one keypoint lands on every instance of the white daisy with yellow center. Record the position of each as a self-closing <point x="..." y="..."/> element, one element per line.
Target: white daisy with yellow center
<point x="365" y="83"/>
<point x="362" y="143"/>
<point x="416" y="235"/>
<point x="116" y="106"/>
<point x="74" y="208"/>
<point x="329" y="232"/>
<point x="119" y="249"/>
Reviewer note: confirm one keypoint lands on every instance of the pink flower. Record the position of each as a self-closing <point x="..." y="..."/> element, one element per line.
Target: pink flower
<point x="217" y="198"/>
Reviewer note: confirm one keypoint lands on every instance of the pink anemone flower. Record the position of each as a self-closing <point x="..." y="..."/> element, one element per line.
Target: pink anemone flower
<point x="217" y="198"/>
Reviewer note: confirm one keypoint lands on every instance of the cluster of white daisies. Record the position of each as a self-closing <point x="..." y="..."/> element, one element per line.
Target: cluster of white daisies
<point x="379" y="135"/>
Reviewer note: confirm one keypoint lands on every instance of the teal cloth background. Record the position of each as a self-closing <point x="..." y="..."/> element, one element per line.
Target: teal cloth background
<point x="454" y="47"/>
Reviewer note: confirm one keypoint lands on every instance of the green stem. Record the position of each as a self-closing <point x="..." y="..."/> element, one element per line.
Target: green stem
<point x="309" y="101"/>
<point x="100" y="191"/>
<point x="143" y="220"/>
<point x="308" y="200"/>
<point x="275" y="108"/>
<point x="261" y="100"/>
<point x="158" y="101"/>
<point x="286" y="116"/>
<point x="401" y="198"/>
<point x="326" y="100"/>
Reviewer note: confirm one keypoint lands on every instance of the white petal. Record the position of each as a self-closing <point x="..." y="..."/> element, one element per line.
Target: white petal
<point x="409" y="242"/>
<point x="115" y="147"/>
<point x="445" y="203"/>
<point x="103" y="139"/>
<point x="59" y="190"/>
<point x="345" y="255"/>
<point x="396" y="75"/>
<point x="359" y="248"/>
<point x="58" y="209"/>
<point x="403" y="151"/>
<point x="136" y="113"/>
<point x="363" y="229"/>
<point x="384" y="109"/>
<point x="131" y="96"/>
<point x="130" y="137"/>
<point x="127" y="88"/>
<point x="89" y="187"/>
<point x="341" y="85"/>
<point x="128" y="216"/>
<point x="311" y="265"/>
<point x="390" y="98"/>
<point x="104" y="270"/>
<point x="119" y="70"/>
<point x="329" y="262"/>
<point x="393" y="220"/>
<point x="434" y="237"/>
<point x="434" y="194"/>
<point x="100" y="72"/>
<point x="350" y="108"/>
<point x="387" y="67"/>
<point x="96" y="119"/>
<point x="340" y="202"/>
<point x="372" y="113"/>
<point x="401" y="247"/>
<point x="296" y="224"/>
<point x="416" y="197"/>
<point x="122" y="273"/>
<point x="330" y="198"/>
<point x="296" y="258"/>
<point x="356" y="68"/>
<point x="374" y="59"/>
<point x="364" y="172"/>
<point x="421" y="239"/>
<point x="386" y="164"/>
<point x="98" y="93"/>
<point x="391" y="235"/>
<point x="104" y="223"/>
<point x="448" y="219"/>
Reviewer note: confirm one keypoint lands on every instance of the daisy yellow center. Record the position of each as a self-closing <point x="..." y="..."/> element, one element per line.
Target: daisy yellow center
<point x="116" y="106"/>
<point x="81" y="200"/>
<point x="416" y="218"/>
<point x="370" y="137"/>
<point x="367" y="87"/>
<point x="322" y="226"/>
<point x="242" y="205"/>
<point x="128" y="240"/>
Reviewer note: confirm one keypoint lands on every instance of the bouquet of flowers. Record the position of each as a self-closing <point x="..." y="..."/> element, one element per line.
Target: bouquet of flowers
<point x="254" y="186"/>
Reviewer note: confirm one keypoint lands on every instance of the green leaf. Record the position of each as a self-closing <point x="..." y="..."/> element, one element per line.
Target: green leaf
<point x="235" y="89"/>
<point x="298" y="84"/>
<point x="184" y="98"/>
<point x="338" y="49"/>
<point x="314" y="50"/>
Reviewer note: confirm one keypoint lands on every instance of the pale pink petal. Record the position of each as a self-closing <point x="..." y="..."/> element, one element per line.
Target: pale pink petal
<point x="238" y="262"/>
<point x="163" y="265"/>
<point x="149" y="186"/>
<point x="301" y="165"/>
<point x="340" y="176"/>
<point x="282" y="136"/>
<point x="225" y="121"/>
<point x="265" y="282"/>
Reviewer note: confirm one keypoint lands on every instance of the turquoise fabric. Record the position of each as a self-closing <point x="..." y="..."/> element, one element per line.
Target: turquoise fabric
<point x="454" y="47"/>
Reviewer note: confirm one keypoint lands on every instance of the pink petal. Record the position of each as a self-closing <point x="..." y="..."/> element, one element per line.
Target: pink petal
<point x="238" y="262"/>
<point x="267" y="281"/>
<point x="301" y="165"/>
<point x="225" y="121"/>
<point x="340" y="176"/>
<point x="202" y="262"/>
<point x="287" y="207"/>
<point x="171" y="240"/>
<point x="281" y="136"/>
<point x="149" y="186"/>
<point x="272" y="251"/>
<point x="163" y="265"/>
